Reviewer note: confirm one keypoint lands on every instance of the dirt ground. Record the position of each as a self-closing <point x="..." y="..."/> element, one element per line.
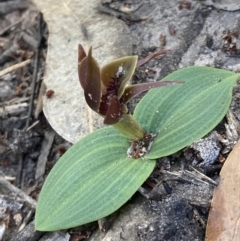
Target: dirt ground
<point x="26" y="138"/>
<point x="29" y="147"/>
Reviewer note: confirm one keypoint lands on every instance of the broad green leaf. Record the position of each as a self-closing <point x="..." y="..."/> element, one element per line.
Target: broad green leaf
<point x="182" y="114"/>
<point x="90" y="181"/>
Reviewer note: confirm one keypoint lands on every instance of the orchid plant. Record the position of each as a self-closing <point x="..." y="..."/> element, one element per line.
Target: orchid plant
<point x="101" y="172"/>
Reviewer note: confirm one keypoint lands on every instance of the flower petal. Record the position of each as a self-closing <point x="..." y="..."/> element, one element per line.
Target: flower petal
<point x="114" y="112"/>
<point x="81" y="53"/>
<point x="151" y="56"/>
<point x="118" y="73"/>
<point x="134" y="90"/>
<point x="81" y="56"/>
<point x="89" y="74"/>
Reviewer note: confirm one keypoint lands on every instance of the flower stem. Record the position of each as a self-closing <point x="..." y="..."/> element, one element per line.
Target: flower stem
<point x="129" y="127"/>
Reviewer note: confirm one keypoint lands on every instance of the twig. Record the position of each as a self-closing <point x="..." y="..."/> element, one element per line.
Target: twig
<point x="39" y="105"/>
<point x="151" y="56"/>
<point x="15" y="101"/>
<point x="34" y="79"/>
<point x="26" y="220"/>
<point x="98" y="46"/>
<point x="204" y="176"/>
<point x="34" y="124"/>
<point x="19" y="171"/>
<point x="22" y="172"/>
<point x="28" y="233"/>
<point x="10" y="179"/>
<point x="9" y="188"/>
<point x="10" y="6"/>
<point x="90" y="119"/>
<point x="14" y="67"/>
<point x="16" y="108"/>
<point x="30" y="41"/>
<point x="5" y="30"/>
<point x="43" y="157"/>
<point x="7" y="54"/>
<point x="35" y="70"/>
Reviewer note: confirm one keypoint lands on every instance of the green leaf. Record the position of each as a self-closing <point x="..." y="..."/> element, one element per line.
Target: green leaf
<point x="182" y="114"/>
<point x="90" y="181"/>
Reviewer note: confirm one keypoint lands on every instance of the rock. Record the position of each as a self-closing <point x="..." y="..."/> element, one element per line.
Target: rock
<point x="230" y="5"/>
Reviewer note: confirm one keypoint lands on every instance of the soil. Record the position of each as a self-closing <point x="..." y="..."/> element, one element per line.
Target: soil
<point x="29" y="147"/>
<point x="26" y="138"/>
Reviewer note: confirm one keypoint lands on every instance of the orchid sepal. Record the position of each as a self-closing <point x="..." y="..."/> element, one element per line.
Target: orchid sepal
<point x="89" y="75"/>
<point x="134" y="90"/>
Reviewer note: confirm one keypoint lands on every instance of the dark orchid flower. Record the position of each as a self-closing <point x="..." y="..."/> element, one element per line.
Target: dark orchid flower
<point x="107" y="90"/>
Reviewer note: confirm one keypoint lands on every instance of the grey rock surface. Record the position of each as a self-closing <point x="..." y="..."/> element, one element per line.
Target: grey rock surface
<point x="230" y="5"/>
<point x="126" y="227"/>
